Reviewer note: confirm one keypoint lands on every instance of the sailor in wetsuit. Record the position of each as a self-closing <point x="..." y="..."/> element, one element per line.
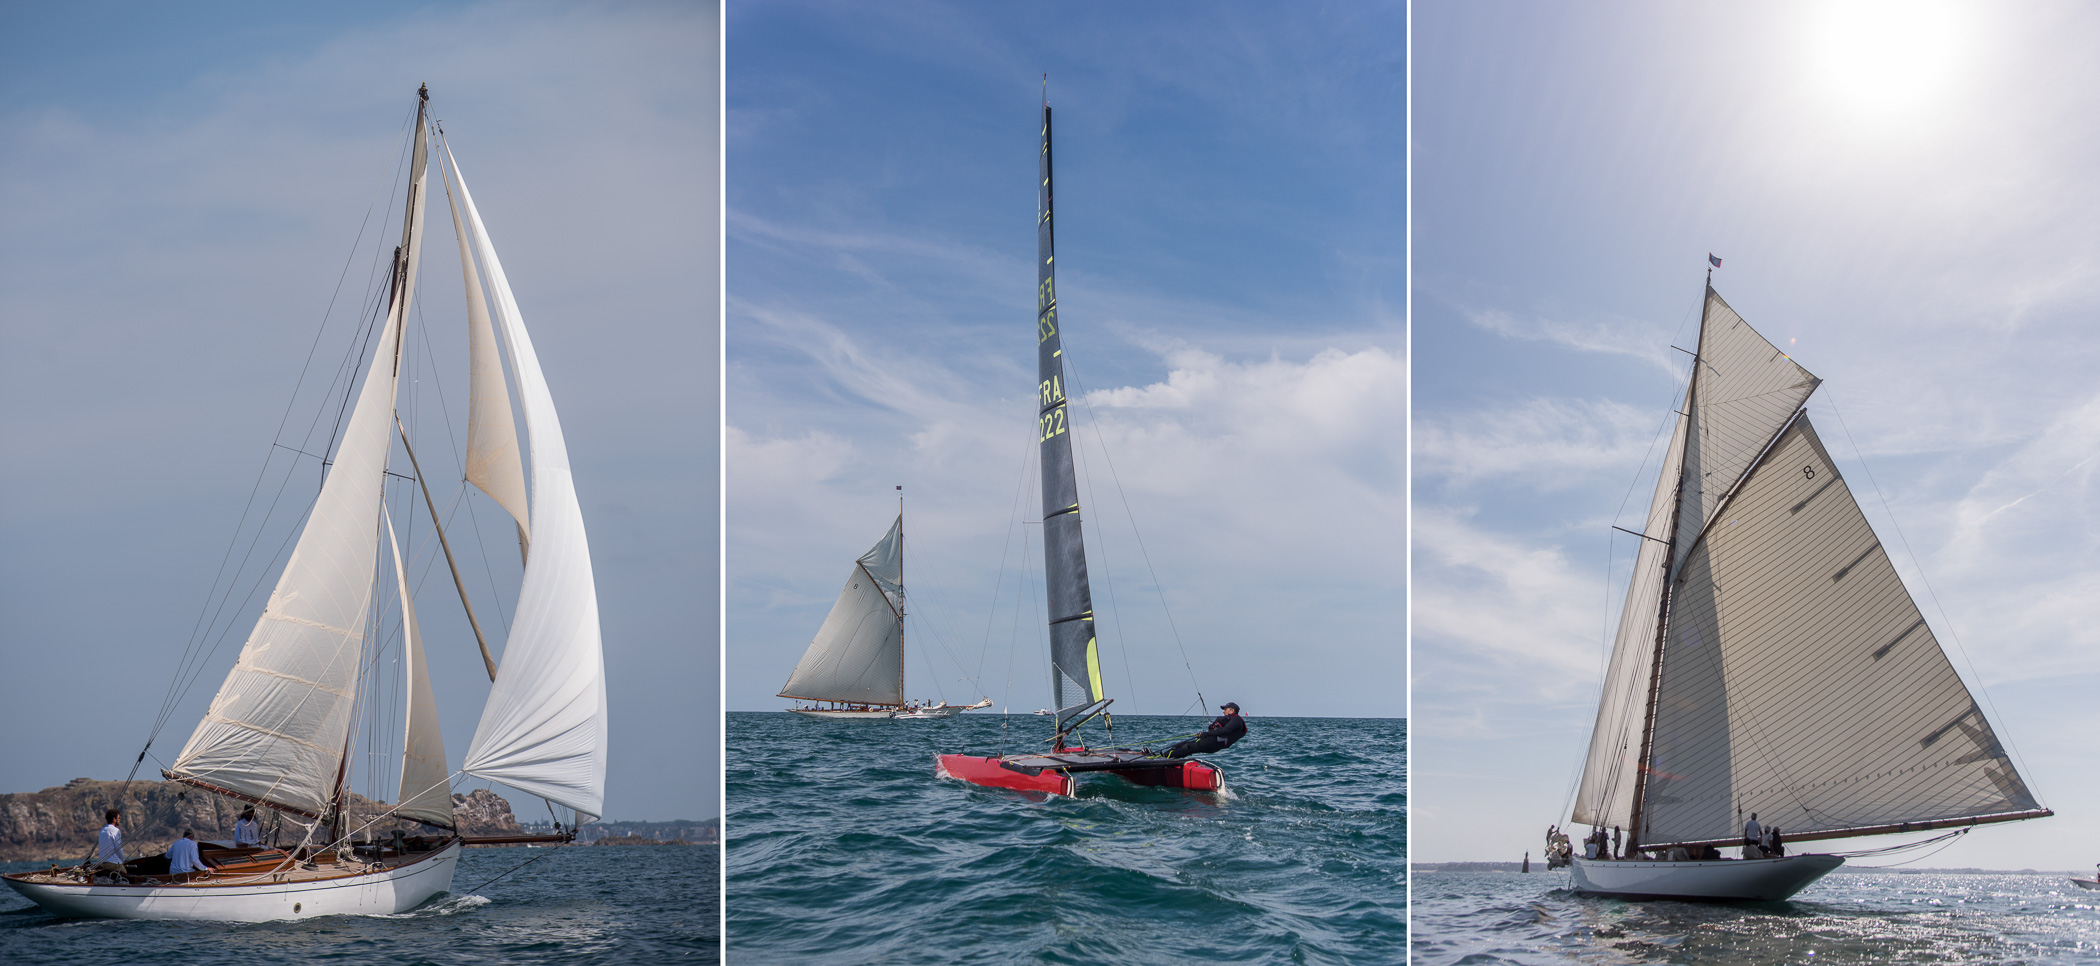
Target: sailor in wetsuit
<point x="1229" y="727"/>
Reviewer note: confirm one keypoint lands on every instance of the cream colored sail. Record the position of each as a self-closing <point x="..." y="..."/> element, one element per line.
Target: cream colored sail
<point x="425" y="793"/>
<point x="1796" y="678"/>
<point x="493" y="460"/>
<point x="277" y="728"/>
<point x="858" y="654"/>
<point x="1800" y="681"/>
<point x="543" y="730"/>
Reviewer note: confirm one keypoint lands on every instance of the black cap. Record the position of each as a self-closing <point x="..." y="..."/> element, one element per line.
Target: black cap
<point x="1234" y="705"/>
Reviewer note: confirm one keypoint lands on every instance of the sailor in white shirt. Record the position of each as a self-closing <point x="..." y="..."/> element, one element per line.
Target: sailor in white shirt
<point x="109" y="846"/>
<point x="183" y="858"/>
<point x="247" y="831"/>
<point x="1753" y="838"/>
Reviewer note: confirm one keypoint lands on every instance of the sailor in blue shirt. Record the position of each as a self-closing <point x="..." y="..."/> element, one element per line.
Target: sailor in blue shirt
<point x="247" y="831"/>
<point x="183" y="858"/>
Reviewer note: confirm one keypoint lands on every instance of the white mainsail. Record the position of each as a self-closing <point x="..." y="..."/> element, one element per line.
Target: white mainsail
<point x="425" y="792"/>
<point x="278" y="727"/>
<point x="858" y="653"/>
<point x="543" y="729"/>
<point x="1797" y="678"/>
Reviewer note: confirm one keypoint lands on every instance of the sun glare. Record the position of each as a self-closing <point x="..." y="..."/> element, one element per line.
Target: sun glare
<point x="1886" y="59"/>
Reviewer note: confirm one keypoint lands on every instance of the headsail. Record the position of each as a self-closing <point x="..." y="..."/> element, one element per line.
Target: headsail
<point x="493" y="461"/>
<point x="858" y="654"/>
<point x="277" y="729"/>
<point x="425" y="793"/>
<point x="1075" y="660"/>
<point x="543" y="729"/>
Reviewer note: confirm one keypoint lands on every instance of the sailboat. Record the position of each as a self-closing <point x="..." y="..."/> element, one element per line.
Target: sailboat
<point x="854" y="668"/>
<point x="1769" y="661"/>
<point x="1075" y="661"/>
<point x="278" y="733"/>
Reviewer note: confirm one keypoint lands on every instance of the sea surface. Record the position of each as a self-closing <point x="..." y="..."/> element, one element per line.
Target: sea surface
<point x="845" y="849"/>
<point x="577" y="904"/>
<point x="1846" y="917"/>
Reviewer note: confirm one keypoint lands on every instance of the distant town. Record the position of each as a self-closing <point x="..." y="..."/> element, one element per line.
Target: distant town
<point x="707" y="832"/>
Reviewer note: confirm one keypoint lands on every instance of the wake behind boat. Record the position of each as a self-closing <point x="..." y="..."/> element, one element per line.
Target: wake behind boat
<point x="1769" y="661"/>
<point x="279" y="732"/>
<point x="1075" y="660"/>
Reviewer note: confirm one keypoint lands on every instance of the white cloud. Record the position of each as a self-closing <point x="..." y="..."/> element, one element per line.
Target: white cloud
<point x="1623" y="337"/>
<point x="1543" y="444"/>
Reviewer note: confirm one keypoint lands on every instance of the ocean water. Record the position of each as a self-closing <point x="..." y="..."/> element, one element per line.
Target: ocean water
<point x="1845" y="918"/>
<point x="580" y="904"/>
<point x="843" y="848"/>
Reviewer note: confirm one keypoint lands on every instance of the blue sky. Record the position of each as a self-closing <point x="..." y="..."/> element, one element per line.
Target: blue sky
<point x="182" y="188"/>
<point x="1902" y="197"/>
<point x="1231" y="218"/>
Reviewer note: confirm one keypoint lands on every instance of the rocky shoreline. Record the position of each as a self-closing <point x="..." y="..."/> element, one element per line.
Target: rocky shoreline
<point x="59" y="824"/>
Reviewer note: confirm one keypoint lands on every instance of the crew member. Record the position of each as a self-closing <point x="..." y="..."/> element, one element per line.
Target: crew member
<point x="247" y="831"/>
<point x="1222" y="733"/>
<point x="109" y="845"/>
<point x="183" y="859"/>
<point x="1753" y="835"/>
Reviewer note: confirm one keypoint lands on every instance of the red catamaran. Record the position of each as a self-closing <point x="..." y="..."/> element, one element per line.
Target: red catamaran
<point x="1075" y="661"/>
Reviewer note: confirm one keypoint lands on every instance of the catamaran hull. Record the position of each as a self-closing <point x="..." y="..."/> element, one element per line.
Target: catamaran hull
<point x="1186" y="773"/>
<point x="380" y="893"/>
<point x="1727" y="880"/>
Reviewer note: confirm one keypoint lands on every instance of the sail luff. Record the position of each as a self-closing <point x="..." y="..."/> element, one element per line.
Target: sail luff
<point x="425" y="793"/>
<point x="1074" y="651"/>
<point x="543" y="730"/>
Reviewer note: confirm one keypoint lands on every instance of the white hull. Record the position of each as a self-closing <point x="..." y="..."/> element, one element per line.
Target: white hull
<point x="2086" y="883"/>
<point x="1766" y="880"/>
<point x="879" y="714"/>
<point x="379" y="893"/>
<point x="942" y="710"/>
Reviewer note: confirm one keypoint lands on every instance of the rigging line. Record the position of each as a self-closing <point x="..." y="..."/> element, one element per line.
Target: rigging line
<point x="2005" y="739"/>
<point x="999" y="583"/>
<point x="1101" y="535"/>
<point x="1147" y="554"/>
<point x="1013" y="643"/>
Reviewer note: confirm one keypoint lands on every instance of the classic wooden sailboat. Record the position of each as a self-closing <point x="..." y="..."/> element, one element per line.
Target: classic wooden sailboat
<point x="1769" y="660"/>
<point x="1075" y="663"/>
<point x="854" y="668"/>
<point x="278" y="732"/>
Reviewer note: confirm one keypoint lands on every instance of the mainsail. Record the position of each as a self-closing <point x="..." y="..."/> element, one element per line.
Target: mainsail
<point x="278" y="728"/>
<point x="1796" y="676"/>
<point x="1075" y="660"/>
<point x="858" y="653"/>
<point x="543" y="729"/>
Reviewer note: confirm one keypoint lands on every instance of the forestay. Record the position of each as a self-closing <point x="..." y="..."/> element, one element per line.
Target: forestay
<point x="543" y="729"/>
<point x="858" y="654"/>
